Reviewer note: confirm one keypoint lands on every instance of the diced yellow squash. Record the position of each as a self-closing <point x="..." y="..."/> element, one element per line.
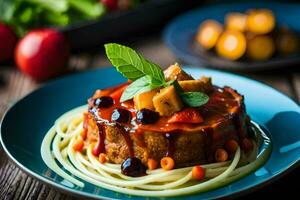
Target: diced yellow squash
<point x="174" y="72"/>
<point x="202" y="85"/>
<point x="207" y="83"/>
<point x="167" y="102"/>
<point x="144" y="100"/>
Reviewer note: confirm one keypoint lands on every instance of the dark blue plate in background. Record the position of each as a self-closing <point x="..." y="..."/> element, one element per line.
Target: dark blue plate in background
<point x="85" y="35"/>
<point x="179" y="35"/>
<point x="25" y="124"/>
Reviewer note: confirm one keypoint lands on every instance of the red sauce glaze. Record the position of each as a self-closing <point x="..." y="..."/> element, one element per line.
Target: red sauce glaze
<point x="100" y="146"/>
<point x="128" y="141"/>
<point x="223" y="105"/>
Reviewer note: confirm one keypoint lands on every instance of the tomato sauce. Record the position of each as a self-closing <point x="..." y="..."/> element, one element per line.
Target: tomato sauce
<point x="223" y="105"/>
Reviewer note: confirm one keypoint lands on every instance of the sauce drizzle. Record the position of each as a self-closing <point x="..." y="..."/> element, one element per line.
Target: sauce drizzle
<point x="129" y="143"/>
<point x="170" y="137"/>
<point x="100" y="146"/>
<point x="209" y="133"/>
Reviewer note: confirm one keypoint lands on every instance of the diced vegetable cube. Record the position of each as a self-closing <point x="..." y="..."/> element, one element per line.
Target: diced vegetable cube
<point x="144" y="100"/>
<point x="202" y="85"/>
<point x="174" y="72"/>
<point x="167" y="101"/>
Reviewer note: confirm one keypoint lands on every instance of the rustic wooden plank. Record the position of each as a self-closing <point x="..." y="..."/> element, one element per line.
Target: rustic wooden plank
<point x="9" y="180"/>
<point x="16" y="85"/>
<point x="15" y="188"/>
<point x="34" y="189"/>
<point x="44" y="192"/>
<point x="25" y="184"/>
<point x="296" y="85"/>
<point x="4" y="74"/>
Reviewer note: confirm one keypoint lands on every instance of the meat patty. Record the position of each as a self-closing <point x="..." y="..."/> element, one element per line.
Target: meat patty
<point x="188" y="144"/>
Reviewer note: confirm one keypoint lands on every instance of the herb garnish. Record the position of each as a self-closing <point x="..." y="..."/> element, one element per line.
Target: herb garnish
<point x="145" y="75"/>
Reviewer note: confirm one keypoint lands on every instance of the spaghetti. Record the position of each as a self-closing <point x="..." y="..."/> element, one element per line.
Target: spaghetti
<point x="57" y="150"/>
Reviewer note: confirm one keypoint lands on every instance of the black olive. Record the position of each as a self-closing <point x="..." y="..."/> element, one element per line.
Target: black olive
<point x="104" y="102"/>
<point x="121" y="115"/>
<point x="133" y="167"/>
<point x="146" y="116"/>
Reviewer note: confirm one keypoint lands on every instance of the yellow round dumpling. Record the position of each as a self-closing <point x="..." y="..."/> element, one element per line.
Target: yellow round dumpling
<point x="236" y="21"/>
<point x="260" y="47"/>
<point x="260" y="21"/>
<point x="208" y="33"/>
<point x="231" y="45"/>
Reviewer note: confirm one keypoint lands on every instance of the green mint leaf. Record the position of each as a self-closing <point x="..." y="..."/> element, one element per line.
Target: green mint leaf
<point x="140" y="85"/>
<point x="132" y="65"/>
<point x="194" y="99"/>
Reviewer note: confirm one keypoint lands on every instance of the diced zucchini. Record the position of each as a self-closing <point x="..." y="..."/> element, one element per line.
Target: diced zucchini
<point x="167" y="102"/>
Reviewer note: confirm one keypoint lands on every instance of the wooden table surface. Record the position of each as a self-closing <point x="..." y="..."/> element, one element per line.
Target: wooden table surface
<point x="15" y="184"/>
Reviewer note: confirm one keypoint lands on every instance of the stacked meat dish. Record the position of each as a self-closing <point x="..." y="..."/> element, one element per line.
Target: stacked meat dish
<point x="157" y="123"/>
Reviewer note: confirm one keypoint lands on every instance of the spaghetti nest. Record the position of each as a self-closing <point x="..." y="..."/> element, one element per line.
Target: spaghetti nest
<point x="77" y="167"/>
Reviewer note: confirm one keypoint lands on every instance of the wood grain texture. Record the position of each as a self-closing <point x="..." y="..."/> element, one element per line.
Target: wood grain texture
<point x="15" y="184"/>
<point x="15" y="86"/>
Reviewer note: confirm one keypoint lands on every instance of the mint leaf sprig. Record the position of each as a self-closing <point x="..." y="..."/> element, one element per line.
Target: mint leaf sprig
<point x="131" y="64"/>
<point x="145" y="75"/>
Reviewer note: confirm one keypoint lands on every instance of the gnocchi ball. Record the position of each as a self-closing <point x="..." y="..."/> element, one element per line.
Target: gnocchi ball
<point x="260" y="21"/>
<point x="236" y="21"/>
<point x="231" y="45"/>
<point x="260" y="48"/>
<point x="208" y="33"/>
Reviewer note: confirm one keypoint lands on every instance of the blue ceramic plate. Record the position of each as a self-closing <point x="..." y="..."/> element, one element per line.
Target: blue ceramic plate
<point x="179" y="35"/>
<point x="25" y="124"/>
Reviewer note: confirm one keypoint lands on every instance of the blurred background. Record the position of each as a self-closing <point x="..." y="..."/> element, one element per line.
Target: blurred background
<point x="41" y="40"/>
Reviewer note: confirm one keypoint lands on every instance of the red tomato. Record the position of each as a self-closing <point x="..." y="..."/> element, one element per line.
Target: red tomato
<point x="188" y="115"/>
<point x="198" y="172"/>
<point x="42" y="54"/>
<point x="8" y="41"/>
<point x="110" y="4"/>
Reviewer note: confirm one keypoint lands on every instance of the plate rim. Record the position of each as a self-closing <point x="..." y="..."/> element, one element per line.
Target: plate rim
<point x="186" y="57"/>
<point x="84" y="194"/>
